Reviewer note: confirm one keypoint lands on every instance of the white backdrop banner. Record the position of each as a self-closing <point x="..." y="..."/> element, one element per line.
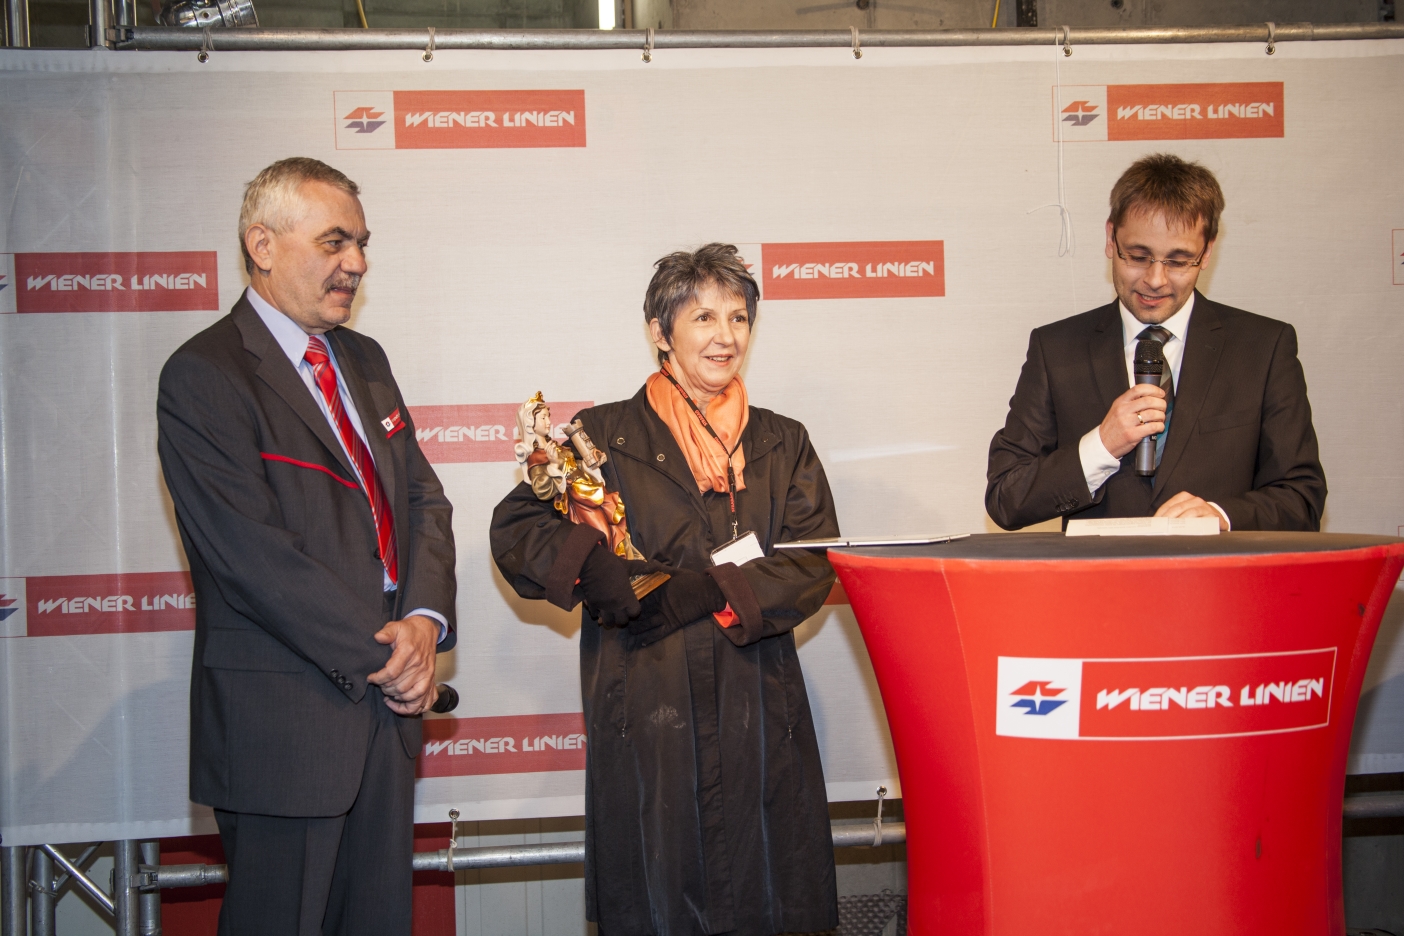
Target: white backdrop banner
<point x="912" y="215"/>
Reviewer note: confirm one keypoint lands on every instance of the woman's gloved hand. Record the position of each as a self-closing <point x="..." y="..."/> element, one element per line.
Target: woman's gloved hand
<point x="604" y="582"/>
<point x="685" y="598"/>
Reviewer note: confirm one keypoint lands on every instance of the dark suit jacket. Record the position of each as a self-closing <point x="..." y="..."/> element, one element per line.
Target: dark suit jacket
<point x="1240" y="436"/>
<point x="288" y="580"/>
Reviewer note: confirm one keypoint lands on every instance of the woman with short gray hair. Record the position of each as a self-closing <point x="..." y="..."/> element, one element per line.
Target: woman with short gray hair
<point x="705" y="804"/>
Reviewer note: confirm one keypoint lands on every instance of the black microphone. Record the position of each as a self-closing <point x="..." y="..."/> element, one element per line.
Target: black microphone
<point x="1149" y="367"/>
<point x="447" y="700"/>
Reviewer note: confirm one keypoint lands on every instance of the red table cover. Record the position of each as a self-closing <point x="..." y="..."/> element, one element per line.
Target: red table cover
<point x="1123" y="735"/>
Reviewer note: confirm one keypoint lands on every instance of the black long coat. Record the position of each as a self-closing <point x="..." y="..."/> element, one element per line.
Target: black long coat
<point x="705" y="809"/>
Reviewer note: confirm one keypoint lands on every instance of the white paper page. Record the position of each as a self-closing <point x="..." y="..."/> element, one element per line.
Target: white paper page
<point x="1145" y="526"/>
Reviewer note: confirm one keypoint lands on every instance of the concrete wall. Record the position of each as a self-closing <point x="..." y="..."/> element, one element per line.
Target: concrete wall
<point x="63" y="23"/>
<point x="967" y="14"/>
<point x="1203" y="12"/>
<point x="828" y="14"/>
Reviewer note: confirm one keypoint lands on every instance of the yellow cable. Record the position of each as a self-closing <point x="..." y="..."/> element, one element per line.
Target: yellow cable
<point x="361" y="12"/>
<point x="994" y="20"/>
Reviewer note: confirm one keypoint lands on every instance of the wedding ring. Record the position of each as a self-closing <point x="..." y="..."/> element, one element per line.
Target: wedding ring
<point x="1141" y="419"/>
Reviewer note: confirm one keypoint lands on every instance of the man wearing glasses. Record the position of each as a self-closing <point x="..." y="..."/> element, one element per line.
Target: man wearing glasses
<point x="1231" y="421"/>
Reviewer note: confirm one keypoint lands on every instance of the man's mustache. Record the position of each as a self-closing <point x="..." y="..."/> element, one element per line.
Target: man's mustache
<point x="350" y="282"/>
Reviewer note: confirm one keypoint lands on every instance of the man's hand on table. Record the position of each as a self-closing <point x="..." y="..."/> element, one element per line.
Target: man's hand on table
<point x="407" y="679"/>
<point x="1185" y="504"/>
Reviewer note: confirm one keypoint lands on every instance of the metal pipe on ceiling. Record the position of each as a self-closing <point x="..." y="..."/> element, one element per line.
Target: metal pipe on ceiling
<point x="293" y="40"/>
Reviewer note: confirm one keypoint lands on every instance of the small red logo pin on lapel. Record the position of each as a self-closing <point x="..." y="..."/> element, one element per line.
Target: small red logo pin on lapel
<point x="392" y="423"/>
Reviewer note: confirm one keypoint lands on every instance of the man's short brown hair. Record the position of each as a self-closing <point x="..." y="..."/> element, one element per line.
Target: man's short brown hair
<point x="1185" y="193"/>
<point x="679" y="275"/>
<point x="271" y="198"/>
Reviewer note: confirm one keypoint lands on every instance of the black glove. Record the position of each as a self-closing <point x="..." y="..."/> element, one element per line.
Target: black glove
<point x="604" y="581"/>
<point x="686" y="597"/>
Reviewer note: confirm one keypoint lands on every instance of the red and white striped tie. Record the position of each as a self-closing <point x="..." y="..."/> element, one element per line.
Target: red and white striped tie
<point x="322" y="370"/>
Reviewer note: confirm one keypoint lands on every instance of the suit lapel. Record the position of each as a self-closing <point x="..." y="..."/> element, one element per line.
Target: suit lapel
<point x="1107" y="349"/>
<point x="277" y="371"/>
<point x="1204" y="345"/>
<point x="366" y="407"/>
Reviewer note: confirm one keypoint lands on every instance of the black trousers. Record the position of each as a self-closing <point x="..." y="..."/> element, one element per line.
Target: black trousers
<point x="346" y="875"/>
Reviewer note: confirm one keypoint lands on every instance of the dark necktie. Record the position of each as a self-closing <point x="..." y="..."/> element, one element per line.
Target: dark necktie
<point x="1167" y="383"/>
<point x="325" y="376"/>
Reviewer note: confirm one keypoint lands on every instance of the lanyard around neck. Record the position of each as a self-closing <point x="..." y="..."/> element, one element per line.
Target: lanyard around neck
<point x="730" y="472"/>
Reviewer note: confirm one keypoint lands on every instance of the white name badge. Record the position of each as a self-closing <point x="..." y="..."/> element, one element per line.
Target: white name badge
<point x="740" y="550"/>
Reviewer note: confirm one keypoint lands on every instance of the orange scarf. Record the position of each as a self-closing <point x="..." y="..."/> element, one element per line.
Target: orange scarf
<point x="728" y="413"/>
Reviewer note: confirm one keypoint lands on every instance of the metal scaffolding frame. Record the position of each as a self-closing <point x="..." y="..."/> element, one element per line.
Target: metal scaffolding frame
<point x="647" y="41"/>
<point x="28" y="882"/>
<point x="16" y="23"/>
<point x="114" y="26"/>
<point x="27" y="878"/>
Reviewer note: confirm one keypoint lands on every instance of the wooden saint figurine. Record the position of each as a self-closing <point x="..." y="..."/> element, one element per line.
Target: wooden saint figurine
<point x="573" y="482"/>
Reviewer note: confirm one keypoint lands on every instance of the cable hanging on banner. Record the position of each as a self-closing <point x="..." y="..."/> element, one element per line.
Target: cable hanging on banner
<point x="648" y="47"/>
<point x="1067" y="237"/>
<point x="1272" y="38"/>
<point x="429" y="49"/>
<point x="248" y="39"/>
<point x="857" y="49"/>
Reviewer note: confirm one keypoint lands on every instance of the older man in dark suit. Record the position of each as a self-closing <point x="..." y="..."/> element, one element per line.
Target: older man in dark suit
<point x="1231" y="421"/>
<point x="320" y="546"/>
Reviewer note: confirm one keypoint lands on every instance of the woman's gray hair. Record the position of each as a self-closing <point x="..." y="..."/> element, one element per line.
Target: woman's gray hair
<point x="680" y="275"/>
<point x="271" y="199"/>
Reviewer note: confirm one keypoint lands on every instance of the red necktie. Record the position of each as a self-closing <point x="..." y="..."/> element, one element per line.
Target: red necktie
<point x="322" y="370"/>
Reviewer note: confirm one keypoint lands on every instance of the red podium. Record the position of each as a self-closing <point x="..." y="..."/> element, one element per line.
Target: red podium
<point x="1123" y="735"/>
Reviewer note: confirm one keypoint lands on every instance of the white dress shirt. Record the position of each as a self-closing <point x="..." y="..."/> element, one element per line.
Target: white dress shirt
<point x="293" y="340"/>
<point x="1097" y="463"/>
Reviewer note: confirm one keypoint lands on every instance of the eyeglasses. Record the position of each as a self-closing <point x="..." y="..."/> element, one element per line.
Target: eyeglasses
<point x="1144" y="261"/>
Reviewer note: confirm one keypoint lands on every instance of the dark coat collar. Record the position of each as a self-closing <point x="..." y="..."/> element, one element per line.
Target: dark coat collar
<point x="1107" y="351"/>
<point x="641" y="434"/>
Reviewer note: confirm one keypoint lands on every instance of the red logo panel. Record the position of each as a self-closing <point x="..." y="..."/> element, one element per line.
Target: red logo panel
<point x="489" y="119"/>
<point x="179" y="281"/>
<point x="466" y="747"/>
<point x="127" y="603"/>
<point x="856" y="270"/>
<point x="478" y="432"/>
<point x="1232" y="110"/>
<point x="1207" y="697"/>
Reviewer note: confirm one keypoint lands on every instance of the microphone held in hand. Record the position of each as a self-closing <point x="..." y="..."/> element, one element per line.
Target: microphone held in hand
<point x="1149" y="368"/>
<point x="447" y="700"/>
